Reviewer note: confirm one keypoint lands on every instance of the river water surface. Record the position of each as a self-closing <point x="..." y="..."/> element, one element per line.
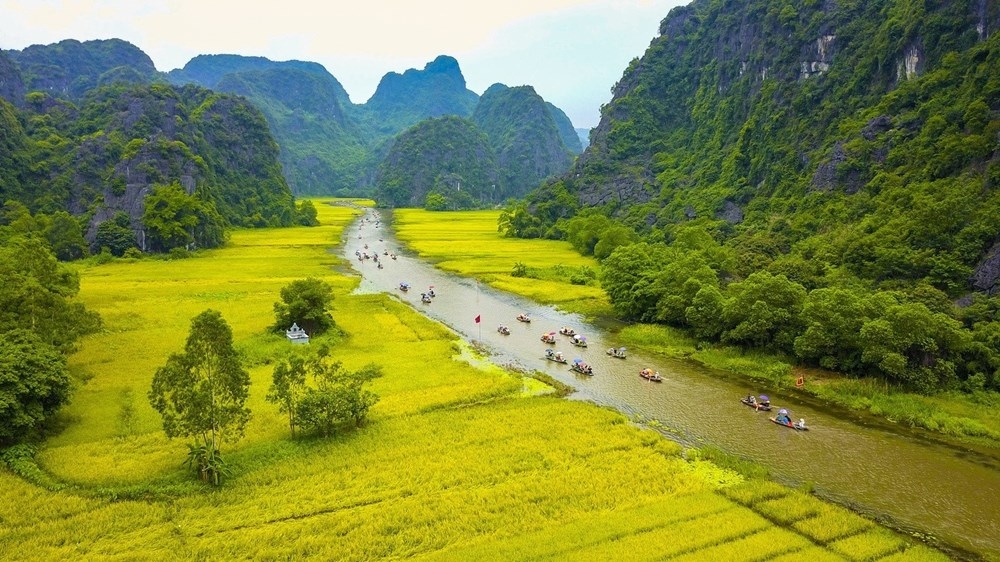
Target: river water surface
<point x="916" y="483"/>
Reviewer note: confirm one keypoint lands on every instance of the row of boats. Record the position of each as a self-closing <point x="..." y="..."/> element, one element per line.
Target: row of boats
<point x="763" y="403"/>
<point x="579" y="365"/>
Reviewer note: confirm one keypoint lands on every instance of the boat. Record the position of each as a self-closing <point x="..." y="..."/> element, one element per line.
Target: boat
<point x="762" y="403"/>
<point x="578" y="341"/>
<point x="567" y="331"/>
<point x="651" y="375"/>
<point x="619" y="352"/>
<point x="556" y="356"/>
<point x="799" y="425"/>
<point x="524" y="318"/>
<point x="503" y="330"/>
<point x="549" y="337"/>
<point x="581" y="367"/>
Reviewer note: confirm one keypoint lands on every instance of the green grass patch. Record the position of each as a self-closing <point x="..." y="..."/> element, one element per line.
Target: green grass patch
<point x="870" y="545"/>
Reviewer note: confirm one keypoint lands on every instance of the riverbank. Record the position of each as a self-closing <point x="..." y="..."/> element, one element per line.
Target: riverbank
<point x="972" y="419"/>
<point x="456" y="462"/>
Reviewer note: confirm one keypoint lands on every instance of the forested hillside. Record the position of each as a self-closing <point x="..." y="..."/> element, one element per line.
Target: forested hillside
<point x="69" y="68"/>
<point x="148" y="166"/>
<point x="525" y="137"/>
<point x="330" y="145"/>
<point x="814" y="177"/>
<point x="442" y="163"/>
<point x="402" y="100"/>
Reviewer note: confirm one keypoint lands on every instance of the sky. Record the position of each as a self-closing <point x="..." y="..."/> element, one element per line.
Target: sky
<point x="571" y="51"/>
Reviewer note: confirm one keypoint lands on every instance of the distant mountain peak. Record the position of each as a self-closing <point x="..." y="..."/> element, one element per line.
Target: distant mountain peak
<point x="444" y="64"/>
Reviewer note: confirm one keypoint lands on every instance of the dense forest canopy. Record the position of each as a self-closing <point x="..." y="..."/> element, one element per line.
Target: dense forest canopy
<point x="814" y="177"/>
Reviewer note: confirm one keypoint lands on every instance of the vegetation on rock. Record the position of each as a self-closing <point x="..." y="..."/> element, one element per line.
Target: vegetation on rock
<point x="840" y="152"/>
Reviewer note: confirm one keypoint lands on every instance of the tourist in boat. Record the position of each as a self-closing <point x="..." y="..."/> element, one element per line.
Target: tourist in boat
<point x="763" y="401"/>
<point x="801" y="424"/>
<point x="782" y="417"/>
<point x="752" y="400"/>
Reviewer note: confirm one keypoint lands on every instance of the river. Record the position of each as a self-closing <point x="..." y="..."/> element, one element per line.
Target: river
<point x="913" y="482"/>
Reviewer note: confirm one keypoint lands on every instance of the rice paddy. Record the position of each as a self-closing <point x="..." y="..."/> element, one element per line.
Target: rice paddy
<point x="468" y="243"/>
<point x="456" y="463"/>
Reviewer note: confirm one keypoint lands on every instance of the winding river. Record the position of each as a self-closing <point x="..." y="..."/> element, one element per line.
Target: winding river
<point x="915" y="483"/>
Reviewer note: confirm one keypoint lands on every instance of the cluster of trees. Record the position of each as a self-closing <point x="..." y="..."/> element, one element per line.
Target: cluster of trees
<point x="913" y="335"/>
<point x="320" y="395"/>
<point x="201" y="392"/>
<point x="40" y="323"/>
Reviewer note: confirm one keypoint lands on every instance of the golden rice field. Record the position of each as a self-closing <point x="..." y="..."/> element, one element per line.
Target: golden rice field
<point x="456" y="463"/>
<point x="468" y="243"/>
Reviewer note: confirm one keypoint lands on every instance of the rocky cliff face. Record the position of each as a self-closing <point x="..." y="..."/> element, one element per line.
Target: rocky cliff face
<point x="70" y="68"/>
<point x="208" y="70"/>
<point x="402" y="100"/>
<point x="11" y="84"/>
<point x="716" y="66"/>
<point x="867" y="133"/>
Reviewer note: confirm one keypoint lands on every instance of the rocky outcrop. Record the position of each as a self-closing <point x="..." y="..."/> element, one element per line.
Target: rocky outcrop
<point x="11" y="84"/>
<point x="402" y="100"/>
<point x="986" y="277"/>
<point x="69" y="68"/>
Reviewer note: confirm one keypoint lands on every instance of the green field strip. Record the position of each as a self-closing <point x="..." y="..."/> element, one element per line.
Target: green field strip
<point x="870" y="545"/>
<point x="753" y="491"/>
<point x="589" y="529"/>
<point x="758" y="546"/>
<point x="832" y="523"/>
<point x="789" y="509"/>
<point x="917" y="553"/>
<point x="675" y="539"/>
<point x="811" y="554"/>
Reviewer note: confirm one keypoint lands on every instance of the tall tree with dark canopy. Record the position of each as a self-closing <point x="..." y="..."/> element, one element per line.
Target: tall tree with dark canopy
<point x="202" y="393"/>
<point x="305" y="302"/>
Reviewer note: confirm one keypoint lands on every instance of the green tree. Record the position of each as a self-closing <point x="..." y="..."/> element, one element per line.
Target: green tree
<point x="629" y="275"/>
<point x="705" y="313"/>
<point x="116" y="234"/>
<point x="36" y="294"/>
<point x="763" y="311"/>
<point x="911" y="345"/>
<point x="34" y="384"/>
<point x="337" y="396"/>
<point x="305" y="214"/>
<point x="170" y="217"/>
<point x="435" y="202"/>
<point x="66" y="237"/>
<point x="288" y="384"/>
<point x="202" y="393"/>
<point x="305" y="302"/>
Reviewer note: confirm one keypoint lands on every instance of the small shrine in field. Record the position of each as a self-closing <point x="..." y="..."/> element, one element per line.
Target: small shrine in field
<point x="296" y="335"/>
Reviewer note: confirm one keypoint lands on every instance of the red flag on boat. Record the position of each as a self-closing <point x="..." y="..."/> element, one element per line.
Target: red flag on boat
<point x="477" y="318"/>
